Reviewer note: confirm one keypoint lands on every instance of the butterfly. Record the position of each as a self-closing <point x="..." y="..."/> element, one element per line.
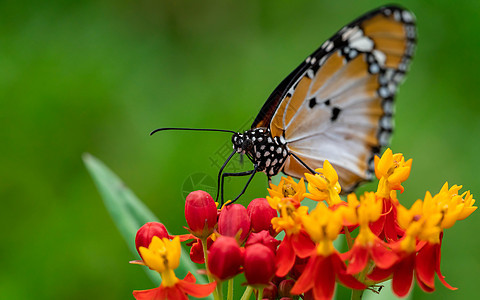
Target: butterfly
<point x="337" y="105"/>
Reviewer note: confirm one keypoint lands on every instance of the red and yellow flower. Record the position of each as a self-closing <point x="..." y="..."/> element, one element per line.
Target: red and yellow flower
<point x="325" y="265"/>
<point x="163" y="256"/>
<point x="367" y="245"/>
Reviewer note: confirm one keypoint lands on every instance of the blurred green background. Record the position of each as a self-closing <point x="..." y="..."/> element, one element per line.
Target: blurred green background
<point x="98" y="76"/>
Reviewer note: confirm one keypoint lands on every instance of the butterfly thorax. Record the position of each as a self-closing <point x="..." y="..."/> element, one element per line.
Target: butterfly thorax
<point x="267" y="152"/>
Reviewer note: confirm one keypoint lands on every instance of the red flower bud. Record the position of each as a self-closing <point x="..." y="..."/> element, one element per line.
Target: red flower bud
<point x="224" y="258"/>
<point x="270" y="292"/>
<point x="264" y="238"/>
<point x="200" y="213"/>
<point x="259" y="265"/>
<point x="234" y="219"/>
<point x="147" y="232"/>
<point x="261" y="214"/>
<point x="284" y="288"/>
<point x="196" y="251"/>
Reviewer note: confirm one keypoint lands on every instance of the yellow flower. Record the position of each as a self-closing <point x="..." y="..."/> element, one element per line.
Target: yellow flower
<point x="426" y="219"/>
<point x="290" y="215"/>
<point x="418" y="224"/>
<point x="323" y="226"/>
<point x="391" y="169"/>
<point x="324" y="185"/>
<point x="163" y="256"/>
<point x="468" y="208"/>
<point x="367" y="209"/>
<point x="288" y="188"/>
<point x="451" y="205"/>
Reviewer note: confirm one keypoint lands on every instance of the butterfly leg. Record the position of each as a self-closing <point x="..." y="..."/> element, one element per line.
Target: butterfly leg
<point x="251" y="173"/>
<point x="220" y="175"/>
<point x="304" y="164"/>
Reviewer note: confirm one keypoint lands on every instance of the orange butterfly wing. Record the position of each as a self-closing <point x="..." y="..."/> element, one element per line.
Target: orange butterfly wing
<point x="338" y="104"/>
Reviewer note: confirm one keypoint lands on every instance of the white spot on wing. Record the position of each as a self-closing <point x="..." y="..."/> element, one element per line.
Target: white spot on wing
<point x="374" y="69"/>
<point x="388" y="107"/>
<point x="386" y="122"/>
<point x="396" y="15"/>
<point x="310" y="73"/>
<point x="384" y="138"/>
<point x="353" y="53"/>
<point x="383" y="92"/>
<point x="328" y="46"/>
<point x="362" y="44"/>
<point x="380" y="57"/>
<point x="407" y="16"/>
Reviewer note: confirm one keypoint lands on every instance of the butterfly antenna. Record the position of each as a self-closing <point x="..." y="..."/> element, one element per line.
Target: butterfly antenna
<point x="191" y="129"/>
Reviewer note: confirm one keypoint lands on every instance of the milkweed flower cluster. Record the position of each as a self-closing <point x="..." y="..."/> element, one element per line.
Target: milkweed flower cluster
<point x="386" y="240"/>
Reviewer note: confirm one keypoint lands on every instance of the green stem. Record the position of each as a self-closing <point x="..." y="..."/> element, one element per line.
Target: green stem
<point x="357" y="294"/>
<point x="217" y="293"/>
<point x="247" y="293"/>
<point x="260" y="294"/>
<point x="230" y="290"/>
<point x="205" y="255"/>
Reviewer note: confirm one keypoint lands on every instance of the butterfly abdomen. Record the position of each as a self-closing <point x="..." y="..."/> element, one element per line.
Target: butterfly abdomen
<point x="267" y="152"/>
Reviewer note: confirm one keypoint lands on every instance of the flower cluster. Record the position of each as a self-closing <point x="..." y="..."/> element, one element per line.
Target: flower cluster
<point x="386" y="240"/>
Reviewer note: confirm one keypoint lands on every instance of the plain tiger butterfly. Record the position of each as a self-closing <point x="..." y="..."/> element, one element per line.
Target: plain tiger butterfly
<point x="336" y="105"/>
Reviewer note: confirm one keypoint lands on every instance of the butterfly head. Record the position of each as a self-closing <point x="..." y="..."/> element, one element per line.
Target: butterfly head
<point x="242" y="142"/>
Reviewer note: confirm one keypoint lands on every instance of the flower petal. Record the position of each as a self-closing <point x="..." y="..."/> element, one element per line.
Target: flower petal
<point x="346" y="279"/>
<point x="380" y="274"/>
<point x="285" y="257"/>
<point x="190" y="278"/>
<point x="196" y="290"/>
<point x="324" y="287"/>
<point x="422" y="285"/>
<point x="437" y="267"/>
<point x="425" y="263"/>
<point x="403" y="276"/>
<point x="358" y="260"/>
<point x="302" y="244"/>
<point x="305" y="281"/>
<point x="383" y="257"/>
<point x="175" y="293"/>
<point x="158" y="293"/>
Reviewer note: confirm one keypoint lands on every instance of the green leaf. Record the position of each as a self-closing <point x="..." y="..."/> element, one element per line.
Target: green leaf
<point x="129" y="213"/>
